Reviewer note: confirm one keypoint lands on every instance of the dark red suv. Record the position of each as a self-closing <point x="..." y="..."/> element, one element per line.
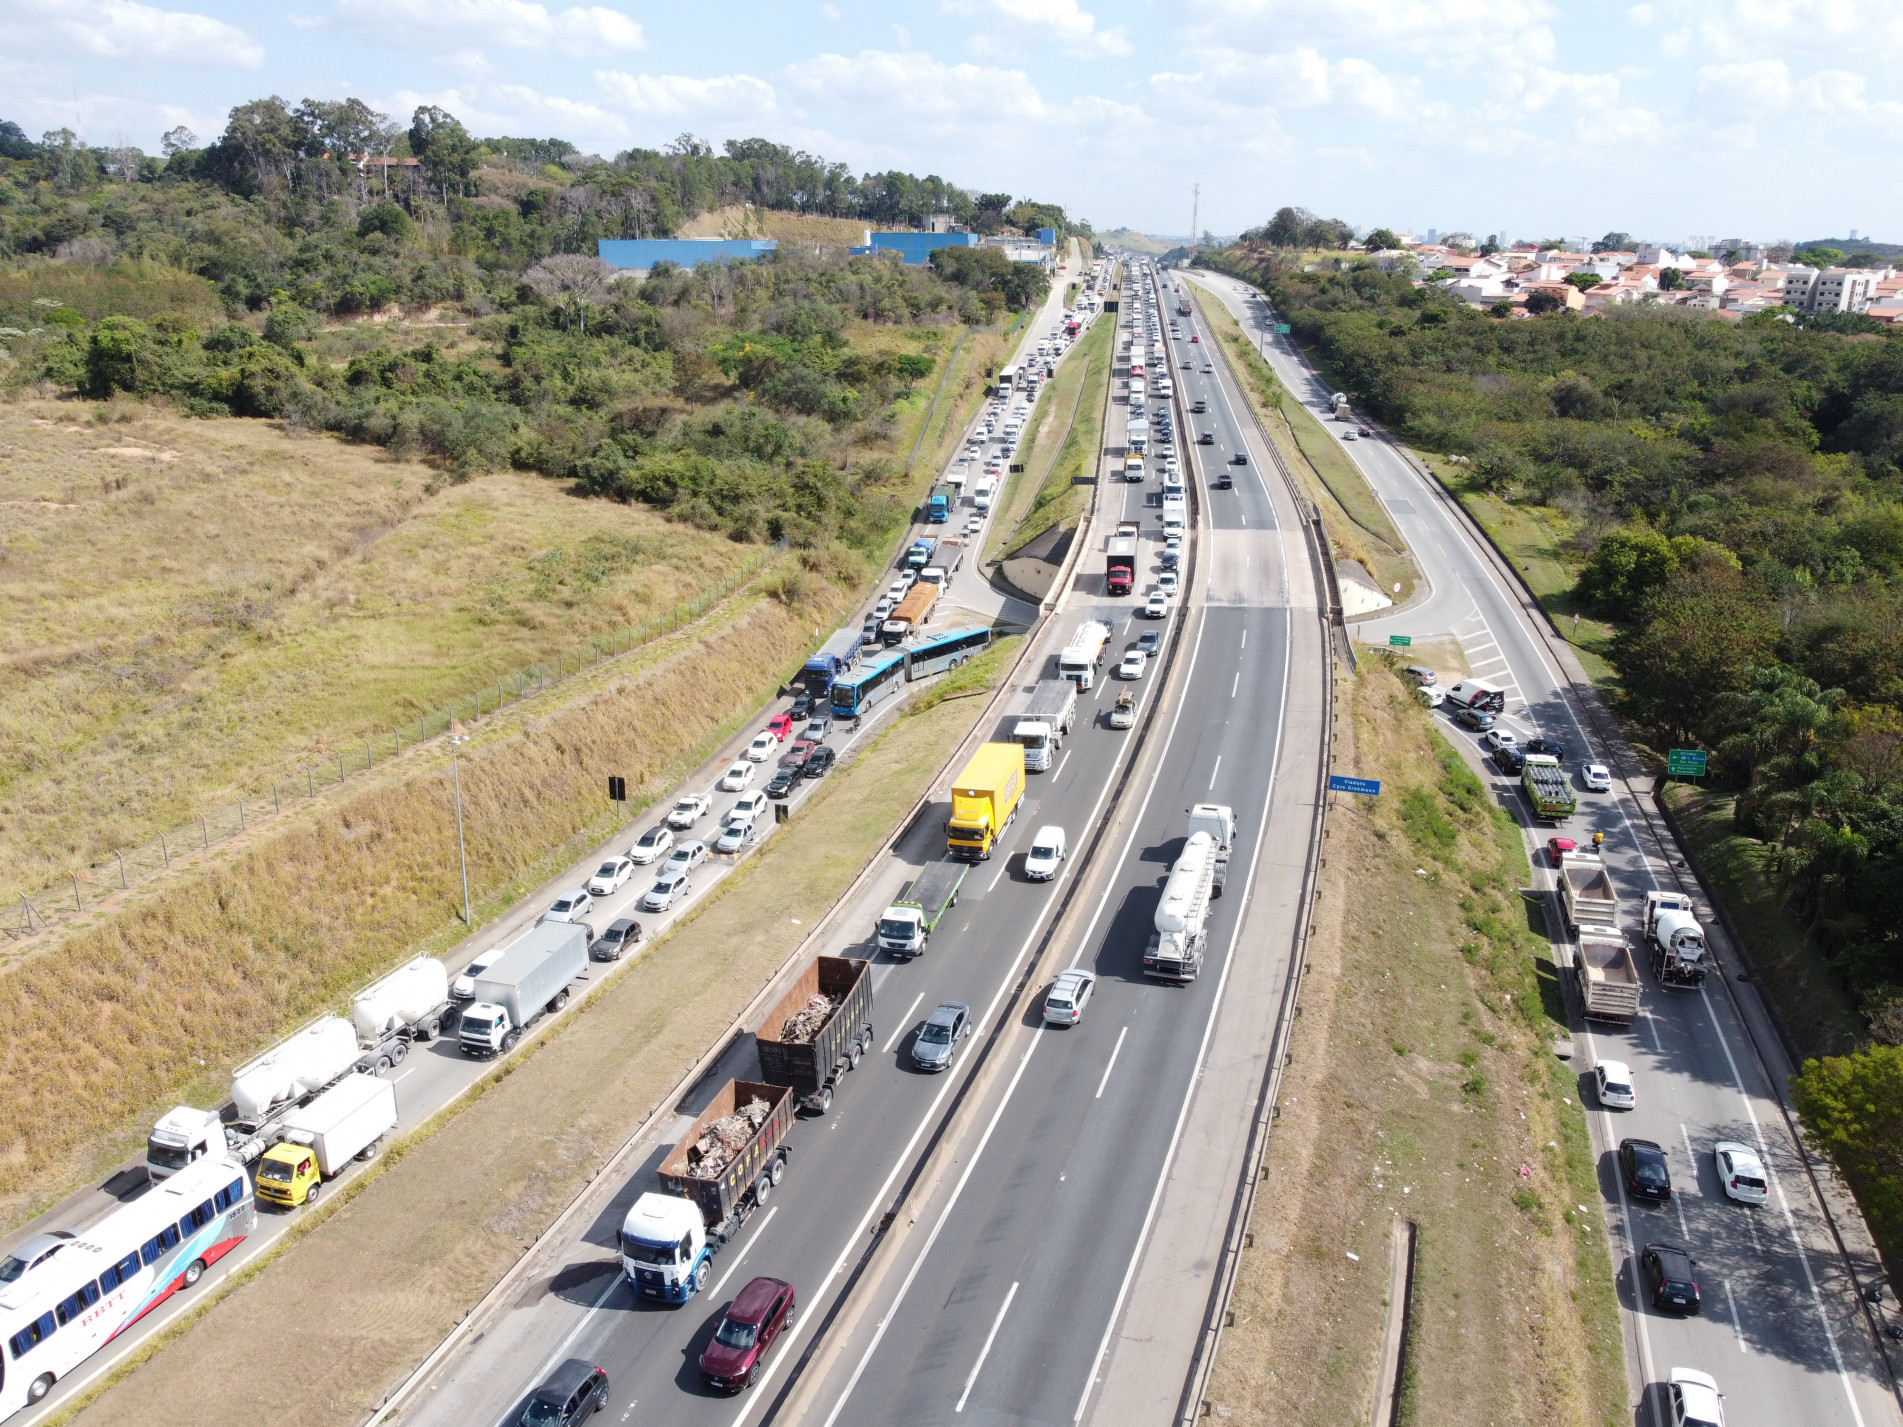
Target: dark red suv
<point x="756" y="1318"/>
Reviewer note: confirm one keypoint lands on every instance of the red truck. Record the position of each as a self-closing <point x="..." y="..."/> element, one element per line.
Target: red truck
<point x="1120" y="564"/>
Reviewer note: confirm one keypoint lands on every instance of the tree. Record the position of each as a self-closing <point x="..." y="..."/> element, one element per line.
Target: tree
<point x="1584" y="281"/>
<point x="346" y="126"/>
<point x="1816" y="257"/>
<point x="570" y="280"/>
<point x="266" y="136"/>
<point x="1382" y="239"/>
<point x="1539" y="302"/>
<point x="1671" y="280"/>
<point x="1694" y="638"/>
<point x="443" y="145"/>
<point x="14" y="144"/>
<point x="174" y="142"/>
<point x="1502" y="309"/>
<point x="1852" y="1106"/>
<point x="1287" y="227"/>
<point x="1615" y="242"/>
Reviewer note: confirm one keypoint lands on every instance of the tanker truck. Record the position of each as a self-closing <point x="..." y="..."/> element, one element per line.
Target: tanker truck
<point x="1175" y="950"/>
<point x="1680" y="953"/>
<point x="411" y="1004"/>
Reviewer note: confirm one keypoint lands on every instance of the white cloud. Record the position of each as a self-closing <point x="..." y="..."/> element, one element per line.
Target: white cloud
<point x="1064" y="22"/>
<point x="123" y="29"/>
<point x="831" y="12"/>
<point x="740" y="98"/>
<point x="1454" y="35"/>
<point x="581" y="31"/>
<point x="1754" y="29"/>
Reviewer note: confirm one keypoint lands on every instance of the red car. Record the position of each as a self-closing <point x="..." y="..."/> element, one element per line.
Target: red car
<point x="1558" y="847"/>
<point x="796" y="756"/>
<point x="1195" y="339"/>
<point x="780" y="725"/>
<point x="756" y="1318"/>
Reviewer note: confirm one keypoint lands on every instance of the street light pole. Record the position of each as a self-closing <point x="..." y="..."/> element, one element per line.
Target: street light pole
<point x="462" y="852"/>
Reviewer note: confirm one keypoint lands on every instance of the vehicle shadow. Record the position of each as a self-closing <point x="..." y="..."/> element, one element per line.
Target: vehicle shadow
<point x="1119" y="955"/>
<point x="687" y="1378"/>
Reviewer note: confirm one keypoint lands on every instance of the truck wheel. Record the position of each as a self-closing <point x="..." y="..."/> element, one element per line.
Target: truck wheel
<point x="194" y="1271"/>
<point x="561" y="1000"/>
<point x="398" y="1051"/>
<point x="825" y="1098"/>
<point x="777" y="1170"/>
<point x="763" y="1188"/>
<point x="696" y="1279"/>
<point x="865" y="1040"/>
<point x="509" y="1041"/>
<point x="852" y="1059"/>
<point x="310" y="1196"/>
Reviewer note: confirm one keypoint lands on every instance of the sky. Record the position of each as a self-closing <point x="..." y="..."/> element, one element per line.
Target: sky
<point x="1668" y="119"/>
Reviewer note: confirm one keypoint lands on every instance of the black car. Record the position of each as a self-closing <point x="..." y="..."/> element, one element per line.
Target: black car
<point x="783" y="782"/>
<point x="574" y="1391"/>
<point x="1509" y="760"/>
<point x="622" y="933"/>
<point x="1479" y="720"/>
<point x="819" y="761"/>
<point x="1199" y="408"/>
<point x="802" y="706"/>
<point x="1642" y="1166"/>
<point x="1670" y="1275"/>
<point x="1206" y="439"/>
<point x="1552" y="747"/>
<point x="1238" y="459"/>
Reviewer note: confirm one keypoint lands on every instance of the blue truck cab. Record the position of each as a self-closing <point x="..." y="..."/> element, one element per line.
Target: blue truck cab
<point x="938" y="505"/>
<point x="665" y="1248"/>
<point x="920" y="555"/>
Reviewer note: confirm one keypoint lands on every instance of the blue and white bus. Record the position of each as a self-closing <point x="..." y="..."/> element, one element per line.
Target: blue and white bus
<point x="940" y="652"/>
<point x="857" y="690"/>
<point x="63" y="1296"/>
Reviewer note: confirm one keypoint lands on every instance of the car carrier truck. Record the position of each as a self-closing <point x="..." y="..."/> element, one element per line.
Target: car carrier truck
<point x="906" y="925"/>
<point x="725" y="1166"/>
<point x="818" y="1030"/>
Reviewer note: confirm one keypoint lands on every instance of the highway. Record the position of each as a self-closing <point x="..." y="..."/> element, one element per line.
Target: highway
<point x="1042" y="1157"/>
<point x="1781" y="1327"/>
<point x="436" y="1074"/>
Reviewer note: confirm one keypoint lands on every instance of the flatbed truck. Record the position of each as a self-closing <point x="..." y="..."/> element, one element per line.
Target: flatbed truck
<point x="1547" y="789"/>
<point x="906" y="925"/>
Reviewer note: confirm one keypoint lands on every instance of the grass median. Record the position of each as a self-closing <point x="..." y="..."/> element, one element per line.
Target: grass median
<point x="1422" y="1087"/>
<point x="1072" y="435"/>
<point x="349" y="1307"/>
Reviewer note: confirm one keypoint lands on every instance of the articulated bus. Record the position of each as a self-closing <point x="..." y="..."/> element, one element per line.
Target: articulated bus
<point x="945" y="651"/>
<point x="857" y="690"/>
<point x="63" y="1296"/>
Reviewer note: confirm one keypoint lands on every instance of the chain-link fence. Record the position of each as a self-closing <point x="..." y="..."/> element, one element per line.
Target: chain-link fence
<point x="82" y="890"/>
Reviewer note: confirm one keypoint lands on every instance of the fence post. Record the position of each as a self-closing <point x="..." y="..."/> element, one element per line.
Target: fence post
<point x="367" y="758"/>
<point x="340" y="765"/>
<point x="277" y="803"/>
<point x="26" y="911"/>
<point x="165" y="851"/>
<point x="310" y="781"/>
<point x="204" y="831"/>
<point x="78" y="906"/>
<point x="241" y="815"/>
<point x="122" y="869"/>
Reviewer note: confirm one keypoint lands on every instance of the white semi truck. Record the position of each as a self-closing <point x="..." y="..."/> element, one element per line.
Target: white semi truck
<point x="1175" y="950"/>
<point x="1681" y="955"/>
<point x="1046" y="721"/>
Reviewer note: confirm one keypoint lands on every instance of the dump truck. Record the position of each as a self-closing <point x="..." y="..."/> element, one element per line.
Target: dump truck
<point x="725" y="1166"/>
<point x="1608" y="976"/>
<point x="819" y="1030"/>
<point x="1119" y="565"/>
<point x="912" y="611"/>
<point x="985" y="800"/>
<point x="1547" y="788"/>
<point x="1175" y="950"/>
<point x="906" y="925"/>
<point x="1681" y="955"/>
<point x="518" y="987"/>
<point x="938" y="505"/>
<point x="408" y="1006"/>
<point x="1586" y="893"/>
<point x="1040" y="730"/>
<point x="316" y="1141"/>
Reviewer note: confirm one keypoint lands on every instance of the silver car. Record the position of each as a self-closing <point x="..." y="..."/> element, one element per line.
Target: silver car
<point x="739" y="832"/>
<point x="938" y="1038"/>
<point x="667" y="887"/>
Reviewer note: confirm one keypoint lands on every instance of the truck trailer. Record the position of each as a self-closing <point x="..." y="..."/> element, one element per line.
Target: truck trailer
<point x="1608" y="976"/>
<point x="1175" y="950"/>
<point x="1042" y="727"/>
<point x="906" y="925"/>
<point x="1119" y="565"/>
<point x="725" y="1166"/>
<point x="985" y="799"/>
<point x="1586" y="893"/>
<point x="518" y="987"/>
<point x="1083" y="656"/>
<point x="1548" y="790"/>
<point x="408" y="1006"/>
<point x="830" y="660"/>
<point x="1681" y="955"/>
<point x="818" y="1030"/>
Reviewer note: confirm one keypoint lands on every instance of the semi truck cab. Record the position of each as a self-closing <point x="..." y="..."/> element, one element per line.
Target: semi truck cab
<point x="665" y="1249"/>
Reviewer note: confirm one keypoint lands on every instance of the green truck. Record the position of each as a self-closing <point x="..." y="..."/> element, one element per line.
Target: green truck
<point x="1547" y="788"/>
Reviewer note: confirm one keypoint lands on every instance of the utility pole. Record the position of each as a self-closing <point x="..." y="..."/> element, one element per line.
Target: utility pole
<point x="1195" y="207"/>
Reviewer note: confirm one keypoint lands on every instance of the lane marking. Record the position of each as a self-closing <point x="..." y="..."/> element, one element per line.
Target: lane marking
<point x="1736" y="1326"/>
<point x="752" y="1239"/>
<point x="1234" y="684"/>
<point x="903" y="1024"/>
<point x="1115" y="1051"/>
<point x="985" y="1351"/>
<point x="1060" y="766"/>
<point x="615" y="1281"/>
<point x="1214" y="771"/>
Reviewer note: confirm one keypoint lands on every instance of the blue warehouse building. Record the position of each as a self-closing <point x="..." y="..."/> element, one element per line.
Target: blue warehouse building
<point x="643" y="253"/>
<point x="917" y="247"/>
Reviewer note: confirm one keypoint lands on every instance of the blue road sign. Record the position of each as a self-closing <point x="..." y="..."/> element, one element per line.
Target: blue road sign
<point x="1341" y="783"/>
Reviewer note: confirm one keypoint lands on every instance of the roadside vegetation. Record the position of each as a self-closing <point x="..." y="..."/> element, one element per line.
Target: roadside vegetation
<point x="1064" y="447"/>
<point x="1422" y="1086"/>
<point x="1727" y="498"/>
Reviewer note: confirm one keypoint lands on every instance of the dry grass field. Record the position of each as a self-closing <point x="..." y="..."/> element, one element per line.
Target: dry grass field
<point x="190" y="610"/>
<point x="743" y="220"/>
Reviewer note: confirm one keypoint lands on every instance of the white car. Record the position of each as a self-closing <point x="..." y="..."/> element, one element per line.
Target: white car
<point x="1432" y="697"/>
<point x="746" y="809"/>
<point x="905" y="581"/>
<point x="739" y="776"/>
<point x="895" y="591"/>
<point x="762" y="748"/>
<point x="881" y="610"/>
<point x="1598" y="777"/>
<point x="1133" y="665"/>
<point x="1047" y="851"/>
<point x="570" y="906"/>
<point x="1064" y="1003"/>
<point x="668" y="886"/>
<point x="610" y="875"/>
<point x="463" y="988"/>
<point x="1157" y="606"/>
<point x="1497" y="737"/>
<point x="1612" y="1084"/>
<point x="689" y="810"/>
<point x="1168" y="582"/>
<point x="1741" y="1172"/>
<point x="1695" y="1399"/>
<point x="738" y="833"/>
<point x="650" y="845"/>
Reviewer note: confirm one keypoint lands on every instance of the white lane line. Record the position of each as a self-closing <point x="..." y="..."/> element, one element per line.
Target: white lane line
<point x="985" y="1351"/>
<point x="1214" y="771"/>
<point x="395" y="1078"/>
<point x="752" y="1239"/>
<point x="1234" y="684"/>
<point x="614" y="1282"/>
<point x="1060" y="766"/>
<point x="1115" y="1051"/>
<point x="1245" y="638"/>
<point x="1678" y="1200"/>
<point x="904" y="1022"/>
<point x="1003" y="868"/>
<point x="1736" y="1326"/>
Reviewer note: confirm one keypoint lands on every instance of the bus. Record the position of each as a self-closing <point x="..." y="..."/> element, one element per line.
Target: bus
<point x="855" y="692"/>
<point x="63" y="1296"/>
<point x="940" y="652"/>
<point x="1007" y="379"/>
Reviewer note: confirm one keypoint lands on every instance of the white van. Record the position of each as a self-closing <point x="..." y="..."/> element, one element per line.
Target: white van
<point x="981" y="498"/>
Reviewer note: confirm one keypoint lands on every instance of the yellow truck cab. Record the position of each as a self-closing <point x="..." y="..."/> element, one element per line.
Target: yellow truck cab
<point x="287" y="1175"/>
<point x="984" y="800"/>
<point x="317" y="1140"/>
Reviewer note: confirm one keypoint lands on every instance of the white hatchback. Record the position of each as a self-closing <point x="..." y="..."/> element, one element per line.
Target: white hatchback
<point x="738" y="776"/>
<point x="1047" y="853"/>
<point x="1741" y="1172"/>
<point x="610" y="875"/>
<point x="762" y="748"/>
<point x="1612" y="1084"/>
<point x="1157" y="606"/>
<point x="1133" y="665"/>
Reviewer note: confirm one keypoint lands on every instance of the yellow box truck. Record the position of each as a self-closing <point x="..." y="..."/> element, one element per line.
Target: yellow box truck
<point x="984" y="800"/>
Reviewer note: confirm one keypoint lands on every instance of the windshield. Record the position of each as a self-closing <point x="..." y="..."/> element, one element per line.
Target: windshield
<point x="1045" y="853"/>
<point x="562" y="904"/>
<point x="277" y="1170"/>
<point x="736" y="1335"/>
<point x="897" y="929"/>
<point x="166" y="1156"/>
<point x="607" y="869"/>
<point x="480" y="1024"/>
<point x="935" y="1034"/>
<point x="650" y="837"/>
<point x="685" y="805"/>
<point x="11" y="1269"/>
<point x="657" y="1255"/>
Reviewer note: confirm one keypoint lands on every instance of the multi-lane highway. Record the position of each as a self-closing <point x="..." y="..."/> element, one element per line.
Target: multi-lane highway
<point x="1781" y="1327"/>
<point x="975" y="1244"/>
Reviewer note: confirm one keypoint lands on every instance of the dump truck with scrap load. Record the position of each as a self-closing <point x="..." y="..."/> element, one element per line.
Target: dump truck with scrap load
<point x="518" y="987"/>
<point x="1608" y="976"/>
<point x="906" y="925"/>
<point x="409" y="1005"/>
<point x="1547" y="788"/>
<point x="1119" y="565"/>
<point x="314" y="1142"/>
<point x="1041" y="728"/>
<point x="985" y="799"/>
<point x="1586" y="893"/>
<point x="818" y="1030"/>
<point x="1681" y="954"/>
<point x="724" y="1167"/>
<point x="1175" y="950"/>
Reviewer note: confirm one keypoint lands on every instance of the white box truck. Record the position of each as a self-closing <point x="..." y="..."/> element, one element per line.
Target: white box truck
<point x="518" y="987"/>
<point x="316" y="1141"/>
<point x="1045" y="721"/>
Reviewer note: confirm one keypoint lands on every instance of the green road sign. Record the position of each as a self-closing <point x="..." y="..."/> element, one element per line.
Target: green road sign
<point x="1400" y="641"/>
<point x="1685" y="763"/>
<point x="1281" y="329"/>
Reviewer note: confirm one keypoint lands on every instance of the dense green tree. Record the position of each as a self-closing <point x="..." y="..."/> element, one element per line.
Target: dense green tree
<point x="1382" y="238"/>
<point x="1852" y="1108"/>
